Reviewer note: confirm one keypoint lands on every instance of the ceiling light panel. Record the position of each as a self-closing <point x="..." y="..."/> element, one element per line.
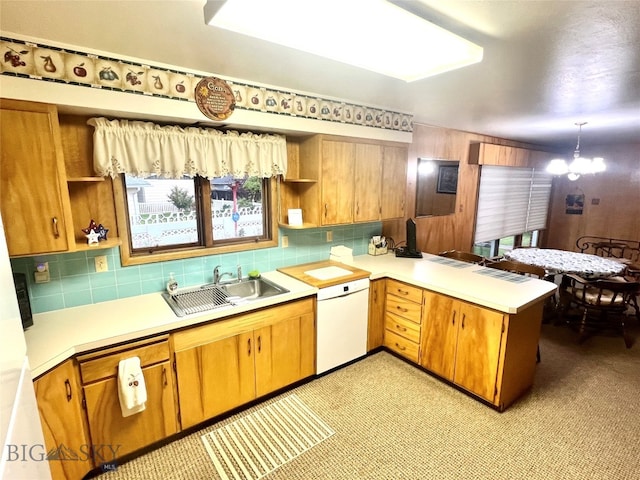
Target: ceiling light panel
<point x="370" y="34"/>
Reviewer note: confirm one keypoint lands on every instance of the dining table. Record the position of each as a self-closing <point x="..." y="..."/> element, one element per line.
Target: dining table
<point x="557" y="262"/>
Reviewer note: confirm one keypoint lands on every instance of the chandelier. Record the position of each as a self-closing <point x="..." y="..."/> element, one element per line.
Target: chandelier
<point x="579" y="166"/>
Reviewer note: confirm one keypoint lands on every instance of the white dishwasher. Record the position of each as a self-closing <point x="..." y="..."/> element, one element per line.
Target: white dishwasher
<point x="343" y="312"/>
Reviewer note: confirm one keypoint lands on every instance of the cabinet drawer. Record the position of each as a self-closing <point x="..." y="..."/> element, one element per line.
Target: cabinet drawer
<point x="400" y="306"/>
<point x="402" y="290"/>
<point x="401" y="345"/>
<point x="401" y="326"/>
<point x="106" y="366"/>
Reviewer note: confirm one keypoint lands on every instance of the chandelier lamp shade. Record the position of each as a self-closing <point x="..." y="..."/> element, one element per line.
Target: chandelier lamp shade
<point x="579" y="165"/>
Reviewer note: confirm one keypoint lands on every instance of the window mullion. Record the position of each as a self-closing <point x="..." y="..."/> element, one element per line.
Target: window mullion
<point x="203" y="190"/>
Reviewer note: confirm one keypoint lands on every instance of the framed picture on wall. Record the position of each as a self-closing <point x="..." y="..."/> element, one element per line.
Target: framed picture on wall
<point x="447" y="179"/>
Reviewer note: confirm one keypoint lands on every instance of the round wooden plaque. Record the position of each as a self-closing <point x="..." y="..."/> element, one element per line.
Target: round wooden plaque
<point x="215" y="98"/>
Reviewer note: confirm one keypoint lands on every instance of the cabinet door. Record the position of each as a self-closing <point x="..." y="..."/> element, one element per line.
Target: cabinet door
<point x="368" y="177"/>
<point x="59" y="397"/>
<point x="215" y="377"/>
<point x="439" y="334"/>
<point x="337" y="182"/>
<point x="121" y="435"/>
<point x="478" y="351"/>
<point x="394" y="182"/>
<point x="31" y="174"/>
<point x="376" y="314"/>
<point x="284" y="353"/>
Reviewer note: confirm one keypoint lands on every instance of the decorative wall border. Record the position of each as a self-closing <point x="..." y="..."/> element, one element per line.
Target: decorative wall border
<point x="49" y="63"/>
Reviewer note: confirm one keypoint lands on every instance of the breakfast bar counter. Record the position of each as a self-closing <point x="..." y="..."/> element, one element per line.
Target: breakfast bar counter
<point x="502" y="291"/>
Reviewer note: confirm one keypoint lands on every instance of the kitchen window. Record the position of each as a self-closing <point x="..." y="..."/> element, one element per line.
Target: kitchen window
<point x="178" y="218"/>
<point x="187" y="191"/>
<point x="512" y="208"/>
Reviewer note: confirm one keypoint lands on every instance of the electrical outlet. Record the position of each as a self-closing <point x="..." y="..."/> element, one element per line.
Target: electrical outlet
<point x="101" y="263"/>
<point x="41" y="275"/>
<point x="329" y="236"/>
<point x="285" y="241"/>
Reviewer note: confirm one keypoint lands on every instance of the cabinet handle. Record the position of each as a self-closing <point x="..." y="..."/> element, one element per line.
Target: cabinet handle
<point x="402" y="309"/>
<point x="463" y="317"/>
<point x="54" y="224"/>
<point x="402" y="329"/>
<point x="358" y="208"/>
<point x="67" y="387"/>
<point x="259" y="343"/>
<point x="164" y="376"/>
<point x="453" y="319"/>
<point x="326" y="209"/>
<point x="400" y="347"/>
<point x="249" y="347"/>
<point x="403" y="292"/>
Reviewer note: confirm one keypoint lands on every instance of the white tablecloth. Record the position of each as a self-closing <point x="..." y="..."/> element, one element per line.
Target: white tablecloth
<point x="562" y="261"/>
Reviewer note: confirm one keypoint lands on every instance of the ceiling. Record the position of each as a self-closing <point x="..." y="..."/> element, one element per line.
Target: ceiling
<point x="547" y="64"/>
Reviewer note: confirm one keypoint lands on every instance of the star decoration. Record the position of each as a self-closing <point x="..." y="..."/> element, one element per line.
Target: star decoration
<point x="92" y="237"/>
<point x="102" y="232"/>
<point x="92" y="226"/>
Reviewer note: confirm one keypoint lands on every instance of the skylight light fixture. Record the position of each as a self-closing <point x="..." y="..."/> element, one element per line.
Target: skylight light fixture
<point x="371" y="34"/>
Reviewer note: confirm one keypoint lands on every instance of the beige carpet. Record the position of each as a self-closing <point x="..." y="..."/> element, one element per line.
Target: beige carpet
<point x="580" y="421"/>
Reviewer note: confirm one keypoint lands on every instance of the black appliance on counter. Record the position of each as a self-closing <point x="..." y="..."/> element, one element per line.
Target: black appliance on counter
<point x="22" y="292"/>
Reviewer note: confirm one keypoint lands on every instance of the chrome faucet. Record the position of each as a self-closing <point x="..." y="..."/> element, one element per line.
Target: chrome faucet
<point x="217" y="276"/>
<point x="239" y="273"/>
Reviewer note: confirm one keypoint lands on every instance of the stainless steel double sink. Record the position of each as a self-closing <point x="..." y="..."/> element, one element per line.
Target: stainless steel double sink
<point x="215" y="296"/>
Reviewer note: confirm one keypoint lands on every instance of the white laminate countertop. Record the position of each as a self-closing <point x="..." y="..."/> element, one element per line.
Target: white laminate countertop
<point x="61" y="334"/>
<point x="466" y="281"/>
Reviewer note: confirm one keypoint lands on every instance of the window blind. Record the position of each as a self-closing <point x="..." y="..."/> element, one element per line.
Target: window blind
<point x="511" y="201"/>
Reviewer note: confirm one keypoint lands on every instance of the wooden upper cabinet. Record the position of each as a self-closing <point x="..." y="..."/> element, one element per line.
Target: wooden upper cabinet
<point x="338" y="180"/>
<point x="338" y="167"/>
<point x="394" y="181"/>
<point x="34" y="201"/>
<point x="367" y="175"/>
<point x="501" y="155"/>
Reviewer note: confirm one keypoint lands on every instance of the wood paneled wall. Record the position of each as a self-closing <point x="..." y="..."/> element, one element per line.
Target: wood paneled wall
<point x="438" y="233"/>
<point x="612" y="200"/>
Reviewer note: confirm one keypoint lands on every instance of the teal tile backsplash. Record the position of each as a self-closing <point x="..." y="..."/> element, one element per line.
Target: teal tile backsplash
<point x="74" y="280"/>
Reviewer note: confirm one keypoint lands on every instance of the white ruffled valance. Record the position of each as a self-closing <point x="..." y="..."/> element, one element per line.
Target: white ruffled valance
<point x="143" y="149"/>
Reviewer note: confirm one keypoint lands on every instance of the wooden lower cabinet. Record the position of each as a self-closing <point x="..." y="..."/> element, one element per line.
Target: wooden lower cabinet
<point x="462" y="343"/>
<point x="402" y="318"/>
<point x="225" y="364"/>
<point x="489" y="353"/>
<point x="122" y="435"/>
<point x="375" y="330"/>
<point x="115" y="434"/>
<point x="59" y="397"/>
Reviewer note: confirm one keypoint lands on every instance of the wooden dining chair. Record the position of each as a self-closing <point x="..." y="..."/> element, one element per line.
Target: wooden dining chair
<point x="464" y="256"/>
<point x="521" y="269"/>
<point x="603" y="303"/>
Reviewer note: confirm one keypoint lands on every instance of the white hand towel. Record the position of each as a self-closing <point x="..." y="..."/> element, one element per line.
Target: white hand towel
<point x="132" y="391"/>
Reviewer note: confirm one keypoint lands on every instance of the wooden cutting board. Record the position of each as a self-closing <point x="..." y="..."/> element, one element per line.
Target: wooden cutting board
<point x="298" y="272"/>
